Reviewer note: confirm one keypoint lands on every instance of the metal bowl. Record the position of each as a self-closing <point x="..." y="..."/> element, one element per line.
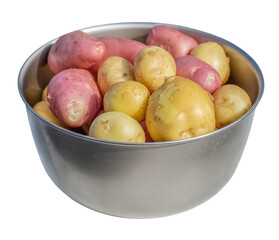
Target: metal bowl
<point x="140" y="180"/>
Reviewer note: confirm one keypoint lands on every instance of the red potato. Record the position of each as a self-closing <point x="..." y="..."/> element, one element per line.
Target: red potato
<point x="74" y="97"/>
<point x="169" y="38"/>
<point x="198" y="71"/>
<point x="75" y="50"/>
<point x="147" y="136"/>
<point x="120" y="47"/>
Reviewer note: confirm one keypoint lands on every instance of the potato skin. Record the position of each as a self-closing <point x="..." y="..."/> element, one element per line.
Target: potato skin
<point x="42" y="108"/>
<point x="130" y="97"/>
<point x="44" y="94"/>
<point x="74" y="97"/>
<point x="198" y="71"/>
<point x="86" y="127"/>
<point x="169" y="38"/>
<point x="214" y="54"/>
<point x="116" y="126"/>
<point x="121" y="47"/>
<point x="75" y="50"/>
<point x="152" y="66"/>
<point x="230" y="102"/>
<point x="112" y="70"/>
<point x="147" y="135"/>
<point x="179" y="109"/>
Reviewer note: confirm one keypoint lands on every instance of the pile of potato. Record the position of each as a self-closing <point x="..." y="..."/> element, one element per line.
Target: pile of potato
<point x="170" y="88"/>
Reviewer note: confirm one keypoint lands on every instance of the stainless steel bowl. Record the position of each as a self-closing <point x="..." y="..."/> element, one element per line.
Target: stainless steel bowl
<point x="140" y="180"/>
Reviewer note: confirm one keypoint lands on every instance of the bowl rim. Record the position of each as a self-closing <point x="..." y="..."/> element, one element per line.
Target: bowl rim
<point x="149" y="144"/>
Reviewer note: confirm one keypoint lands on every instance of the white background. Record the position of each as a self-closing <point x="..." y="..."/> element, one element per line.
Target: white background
<point x="32" y="207"/>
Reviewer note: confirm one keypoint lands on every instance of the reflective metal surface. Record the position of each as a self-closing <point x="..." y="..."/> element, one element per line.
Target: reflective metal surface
<point x="140" y="180"/>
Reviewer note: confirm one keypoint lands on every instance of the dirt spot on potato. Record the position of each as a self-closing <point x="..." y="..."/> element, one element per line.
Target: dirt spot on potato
<point x="186" y="133"/>
<point x="105" y="125"/>
<point x="104" y="122"/>
<point x="99" y="49"/>
<point x="151" y="53"/>
<point x="221" y="100"/>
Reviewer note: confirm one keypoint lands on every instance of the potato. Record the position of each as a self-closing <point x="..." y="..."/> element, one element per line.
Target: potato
<point x="230" y="102"/>
<point x="86" y="127"/>
<point x="214" y="54"/>
<point x="169" y="38"/>
<point x="152" y="66"/>
<point x="44" y="94"/>
<point x="147" y="135"/>
<point x="116" y="126"/>
<point x="43" y="110"/>
<point x="74" y="97"/>
<point x="112" y="70"/>
<point x="75" y="50"/>
<point x="129" y="97"/>
<point x="121" y="47"/>
<point x="198" y="71"/>
<point x="179" y="109"/>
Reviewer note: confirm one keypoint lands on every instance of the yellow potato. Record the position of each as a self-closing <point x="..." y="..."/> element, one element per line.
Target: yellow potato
<point x="116" y="126"/>
<point x="179" y="109"/>
<point x="112" y="70"/>
<point x="43" y="110"/>
<point x="44" y="94"/>
<point x="152" y="66"/>
<point x="214" y="54"/>
<point x="129" y="97"/>
<point x="230" y="102"/>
